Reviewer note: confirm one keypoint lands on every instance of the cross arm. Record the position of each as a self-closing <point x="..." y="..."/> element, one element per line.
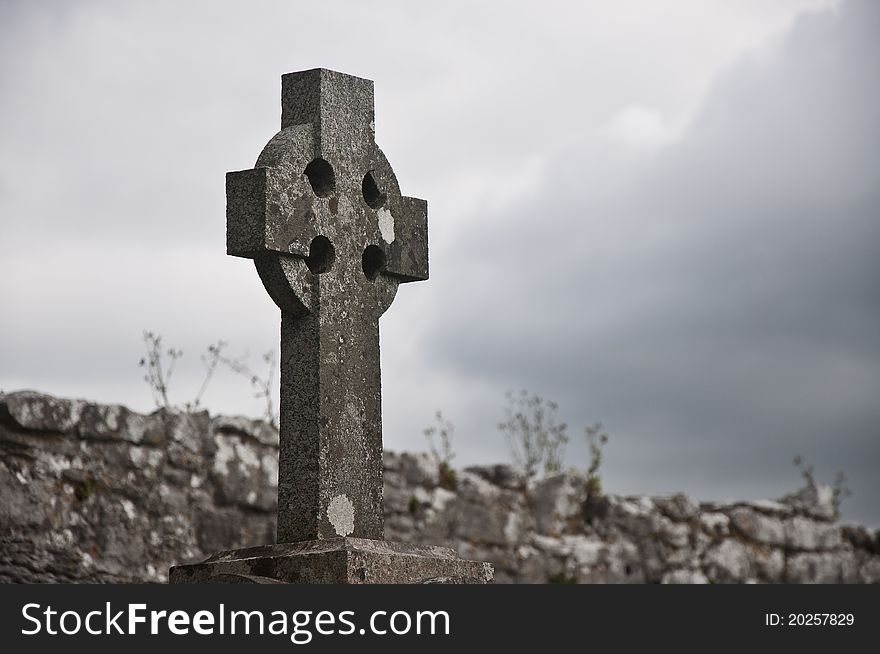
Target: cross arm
<point x="408" y="252"/>
<point x="268" y="210"/>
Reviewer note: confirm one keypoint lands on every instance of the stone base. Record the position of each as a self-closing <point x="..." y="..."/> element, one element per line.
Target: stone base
<point x="335" y="561"/>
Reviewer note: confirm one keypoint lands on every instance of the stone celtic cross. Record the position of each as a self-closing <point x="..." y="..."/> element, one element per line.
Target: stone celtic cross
<point x="323" y="219"/>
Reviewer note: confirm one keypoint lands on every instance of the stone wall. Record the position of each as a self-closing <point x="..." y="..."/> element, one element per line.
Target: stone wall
<point x="98" y="493"/>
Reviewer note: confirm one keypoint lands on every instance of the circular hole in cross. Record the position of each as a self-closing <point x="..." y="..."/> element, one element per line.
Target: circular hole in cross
<point x="373" y="261"/>
<point x="321" y="177"/>
<point x="373" y="195"/>
<point x="322" y="254"/>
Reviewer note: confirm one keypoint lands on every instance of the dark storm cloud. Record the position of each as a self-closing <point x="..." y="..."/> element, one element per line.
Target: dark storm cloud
<point x="722" y="313"/>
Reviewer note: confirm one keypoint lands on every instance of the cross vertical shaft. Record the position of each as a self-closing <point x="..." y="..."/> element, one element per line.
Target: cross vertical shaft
<point x="331" y="428"/>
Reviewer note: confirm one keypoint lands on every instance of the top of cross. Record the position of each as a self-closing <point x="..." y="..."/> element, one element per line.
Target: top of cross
<point x="323" y="192"/>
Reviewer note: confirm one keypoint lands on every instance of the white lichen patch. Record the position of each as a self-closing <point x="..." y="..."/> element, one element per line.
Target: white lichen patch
<point x="270" y="466"/>
<point x="231" y="450"/>
<point x="137" y="455"/>
<point x="144" y="457"/>
<point x="386" y="225"/>
<point x="128" y="507"/>
<point x="248" y="455"/>
<point x="440" y="498"/>
<point x="340" y="513"/>
<point x="513" y="527"/>
<point x="56" y="463"/>
<point x="224" y="454"/>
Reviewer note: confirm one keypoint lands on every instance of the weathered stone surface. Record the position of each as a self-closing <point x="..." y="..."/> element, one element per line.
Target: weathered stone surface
<point x="338" y="561"/>
<point x="481" y="521"/>
<point x="814" y="500"/>
<point x="246" y="429"/>
<point x="106" y="496"/>
<point x="802" y="533"/>
<point x="819" y="568"/>
<point x="116" y="422"/>
<point x="245" y="471"/>
<point x="506" y="476"/>
<point x="188" y="435"/>
<point x="42" y="413"/>
<point x="769" y="507"/>
<point x="413" y="469"/>
<point x="769" y="564"/>
<point x="758" y="527"/>
<point x="869" y="572"/>
<point x="678" y="507"/>
<point x="861" y="537"/>
<point x="124" y="509"/>
<point x="728" y="561"/>
<point x="684" y="577"/>
<point x="556" y="501"/>
<point x="715" y="523"/>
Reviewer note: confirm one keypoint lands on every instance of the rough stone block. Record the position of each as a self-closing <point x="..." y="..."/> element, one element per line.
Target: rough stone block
<point x="678" y="507"/>
<point x="38" y="412"/>
<point x="816" y="568"/>
<point x="805" y="534"/>
<point x="728" y="562"/>
<point x="684" y="577"/>
<point x="555" y="501"/>
<point x="336" y="561"/>
<point x="758" y="527"/>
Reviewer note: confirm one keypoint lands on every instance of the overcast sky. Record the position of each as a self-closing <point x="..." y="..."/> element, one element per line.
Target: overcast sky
<point x="662" y="215"/>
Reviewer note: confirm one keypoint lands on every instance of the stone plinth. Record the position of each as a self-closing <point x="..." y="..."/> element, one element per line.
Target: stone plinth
<point x="335" y="561"/>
